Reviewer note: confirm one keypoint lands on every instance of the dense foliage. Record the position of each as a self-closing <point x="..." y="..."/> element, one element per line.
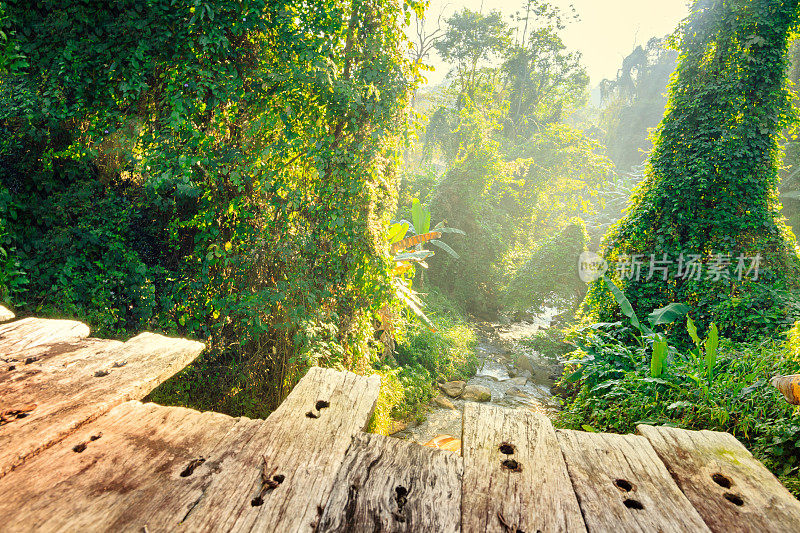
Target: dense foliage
<point x="231" y="171"/>
<point x="223" y="170"/>
<point x="710" y="194"/>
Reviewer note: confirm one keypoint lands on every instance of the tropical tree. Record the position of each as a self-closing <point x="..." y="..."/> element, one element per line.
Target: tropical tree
<point x="470" y="39"/>
<point x="545" y="80"/>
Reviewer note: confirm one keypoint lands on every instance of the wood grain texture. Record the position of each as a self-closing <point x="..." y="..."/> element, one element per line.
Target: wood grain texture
<point x="731" y="490"/>
<point x="387" y="484"/>
<point x="71" y="388"/>
<point x="622" y="485"/>
<point x="30" y="332"/>
<point x="5" y="314"/>
<point x="302" y="444"/>
<point x="514" y="474"/>
<point x="121" y="472"/>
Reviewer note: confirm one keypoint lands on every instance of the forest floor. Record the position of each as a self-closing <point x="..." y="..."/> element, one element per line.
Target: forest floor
<point x="516" y="375"/>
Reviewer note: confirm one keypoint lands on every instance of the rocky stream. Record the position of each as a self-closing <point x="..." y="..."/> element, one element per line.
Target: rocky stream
<point x="509" y="374"/>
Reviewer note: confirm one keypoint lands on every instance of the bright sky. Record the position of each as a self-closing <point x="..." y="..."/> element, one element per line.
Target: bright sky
<point x="607" y="30"/>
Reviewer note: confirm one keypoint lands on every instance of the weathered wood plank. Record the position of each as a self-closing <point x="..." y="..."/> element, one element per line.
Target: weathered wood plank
<point x="140" y="465"/>
<point x="73" y="388"/>
<point x="387" y="484"/>
<point x="30" y="332"/>
<point x="5" y="314"/>
<point x="514" y="474"/>
<point x="280" y="478"/>
<point x="623" y="486"/>
<point x="730" y="489"/>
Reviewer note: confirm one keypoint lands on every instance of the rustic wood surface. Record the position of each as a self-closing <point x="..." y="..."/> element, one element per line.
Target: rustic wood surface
<point x="30" y="332"/>
<point x="623" y="486"/>
<point x="387" y="484"/>
<point x="129" y="469"/>
<point x="75" y="455"/>
<point x="56" y="398"/>
<point x="514" y="474"/>
<point x="5" y="314"/>
<point x="280" y="477"/>
<point x="731" y="490"/>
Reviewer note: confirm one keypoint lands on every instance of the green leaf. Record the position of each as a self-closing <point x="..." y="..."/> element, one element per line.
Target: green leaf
<point x="668" y="314"/>
<point x="692" y="329"/>
<point x="587" y="427"/>
<point x="413" y="256"/>
<point x="657" y="360"/>
<point x="681" y="405"/>
<point x="712" y="342"/>
<point x="420" y="217"/>
<point x="397" y="231"/>
<point x="625" y="305"/>
<point x="445" y="247"/>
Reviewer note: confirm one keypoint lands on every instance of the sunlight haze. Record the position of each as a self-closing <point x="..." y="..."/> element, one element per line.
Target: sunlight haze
<point x="606" y="32"/>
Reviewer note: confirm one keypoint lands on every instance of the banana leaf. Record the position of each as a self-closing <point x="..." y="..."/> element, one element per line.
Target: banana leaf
<point x="413" y="256"/>
<point x="626" y="307"/>
<point x="668" y="314"/>
<point x="445" y="247"/>
<point x="413" y="241"/>
<point x="397" y="231"/>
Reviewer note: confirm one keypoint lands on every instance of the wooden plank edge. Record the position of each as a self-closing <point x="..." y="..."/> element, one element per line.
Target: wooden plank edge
<point x="6" y="314"/>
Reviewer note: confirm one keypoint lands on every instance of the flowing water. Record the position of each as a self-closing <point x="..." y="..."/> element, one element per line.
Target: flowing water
<point x="516" y="375"/>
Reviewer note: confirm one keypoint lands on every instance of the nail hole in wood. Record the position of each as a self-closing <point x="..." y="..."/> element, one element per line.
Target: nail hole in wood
<point x="12" y="367"/>
<point x="400" y="498"/>
<point x="512" y="465"/>
<point x="194" y="463"/>
<point x="95" y="437"/>
<point x="721" y="480"/>
<point x="507" y="448"/>
<point x="623" y="484"/>
<point x="30" y="360"/>
<point x="101" y="373"/>
<point x="78" y="448"/>
<point x="735" y="499"/>
<point x="319" y="406"/>
<point x="23" y="415"/>
<point x="257" y="501"/>
<point x="633" y="504"/>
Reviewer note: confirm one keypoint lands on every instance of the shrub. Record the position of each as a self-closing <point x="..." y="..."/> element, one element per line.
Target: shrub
<point x="425" y="356"/>
<point x="614" y="391"/>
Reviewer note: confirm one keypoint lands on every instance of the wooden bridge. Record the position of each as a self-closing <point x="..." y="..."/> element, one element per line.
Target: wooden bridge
<point x="78" y="452"/>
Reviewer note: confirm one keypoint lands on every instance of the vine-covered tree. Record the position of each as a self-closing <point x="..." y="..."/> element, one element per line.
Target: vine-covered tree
<point x="219" y="169"/>
<point x="708" y="207"/>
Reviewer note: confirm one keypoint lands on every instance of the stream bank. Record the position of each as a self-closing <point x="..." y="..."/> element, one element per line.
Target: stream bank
<point x="515" y="375"/>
